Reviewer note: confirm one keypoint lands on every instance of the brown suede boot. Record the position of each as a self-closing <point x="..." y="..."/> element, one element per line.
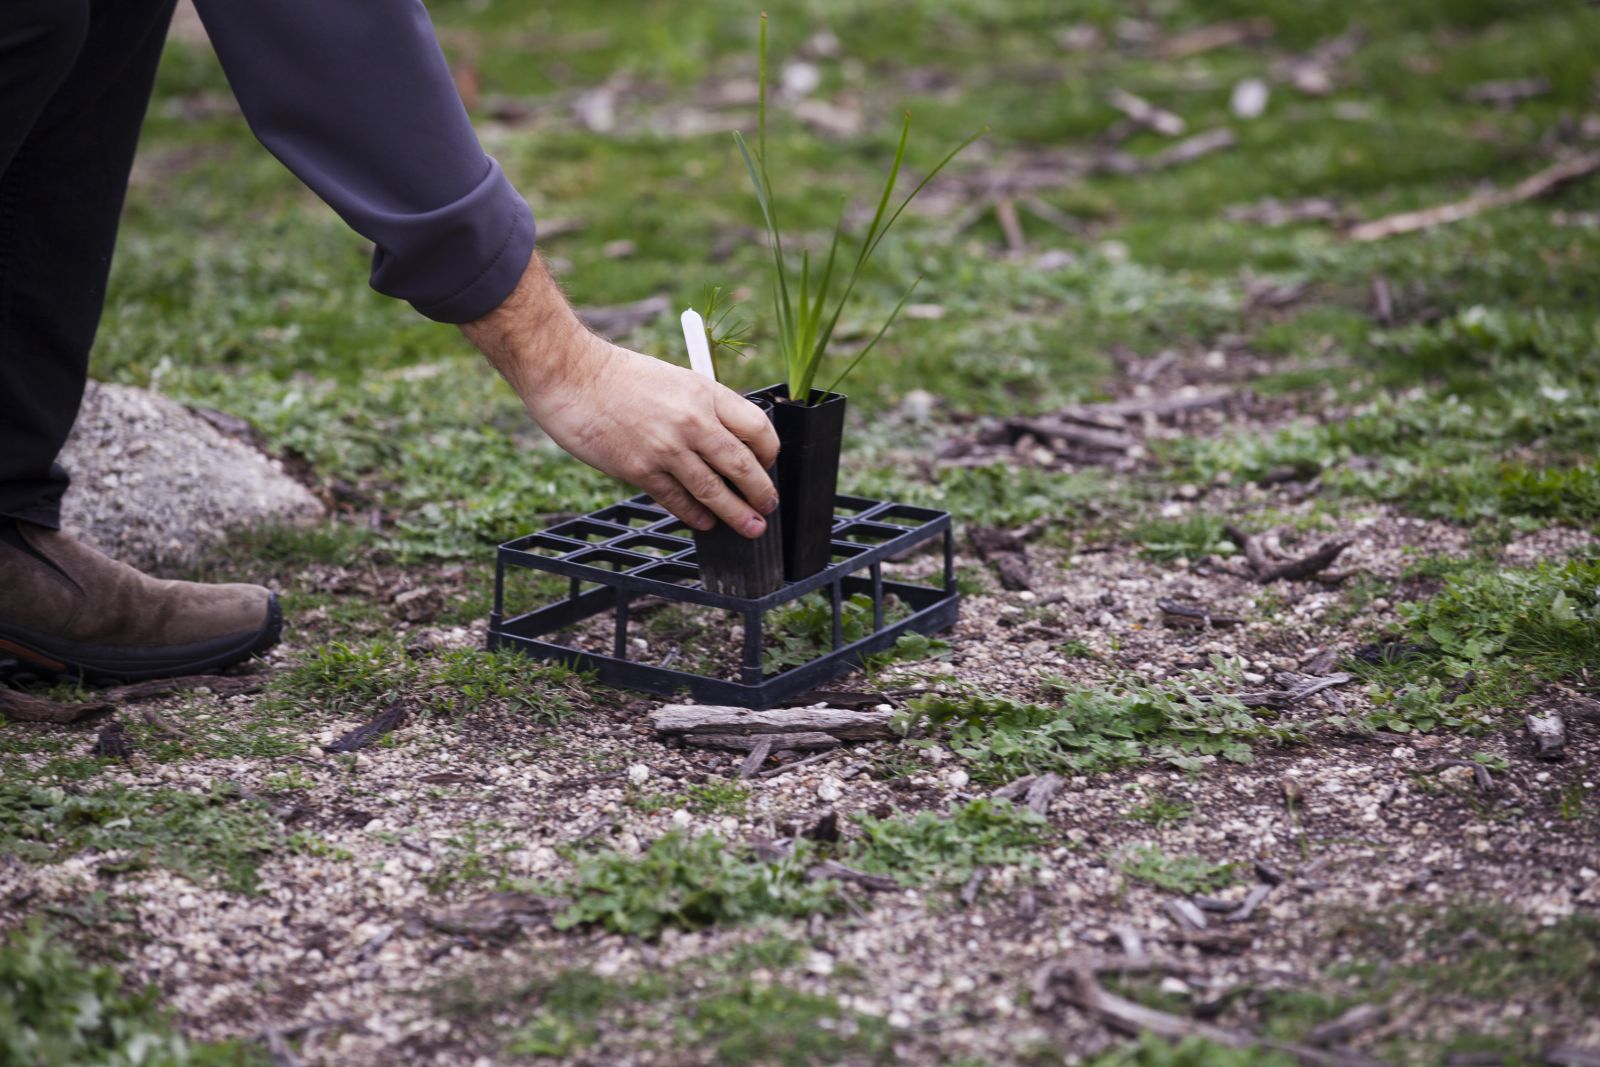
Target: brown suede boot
<point x="66" y="609"/>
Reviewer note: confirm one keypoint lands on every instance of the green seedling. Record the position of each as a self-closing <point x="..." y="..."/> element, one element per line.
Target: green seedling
<point x="805" y="323"/>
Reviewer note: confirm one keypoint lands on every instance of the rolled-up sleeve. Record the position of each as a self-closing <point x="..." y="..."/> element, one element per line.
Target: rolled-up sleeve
<point x="356" y="99"/>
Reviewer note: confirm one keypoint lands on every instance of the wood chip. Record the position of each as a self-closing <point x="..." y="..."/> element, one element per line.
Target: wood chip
<point x="1217" y="35"/>
<point x="1042" y="790"/>
<point x="1532" y="187"/>
<point x="759" y="751"/>
<point x="18" y="706"/>
<point x="1176" y="613"/>
<point x="1185" y="914"/>
<point x="1549" y="733"/>
<point x="1264" y="566"/>
<point x="1251" y="902"/>
<point x="495" y="917"/>
<point x="969" y="892"/>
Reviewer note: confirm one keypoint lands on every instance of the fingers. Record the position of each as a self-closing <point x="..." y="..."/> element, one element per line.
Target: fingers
<point x="670" y="494"/>
<point x="707" y="486"/>
<point x="731" y="458"/>
<point x="749" y="424"/>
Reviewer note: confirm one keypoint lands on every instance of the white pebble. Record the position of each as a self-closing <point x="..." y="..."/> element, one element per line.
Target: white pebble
<point x="830" y="790"/>
<point x="638" y="774"/>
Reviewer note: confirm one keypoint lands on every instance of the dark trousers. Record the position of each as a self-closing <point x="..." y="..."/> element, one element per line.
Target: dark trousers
<point x="75" y="78"/>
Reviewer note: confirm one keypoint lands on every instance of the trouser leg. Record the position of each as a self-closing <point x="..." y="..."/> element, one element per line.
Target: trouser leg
<point x="75" y="78"/>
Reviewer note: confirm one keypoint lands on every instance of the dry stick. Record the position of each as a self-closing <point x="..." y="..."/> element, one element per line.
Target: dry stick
<point x="1196" y="616"/>
<point x="1085" y="990"/>
<point x="18" y="706"/>
<point x="220" y="684"/>
<point x="758" y="755"/>
<point x="1005" y="213"/>
<point x="773" y="772"/>
<point x="1541" y="184"/>
<point x="801" y="742"/>
<point x="969" y="892"/>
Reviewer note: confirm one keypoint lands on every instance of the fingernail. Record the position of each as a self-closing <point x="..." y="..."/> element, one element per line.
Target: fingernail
<point x="755" y="526"/>
<point x="703" y="522"/>
<point x="771" y="505"/>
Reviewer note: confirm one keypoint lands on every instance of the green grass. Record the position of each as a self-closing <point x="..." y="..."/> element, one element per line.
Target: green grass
<point x="946" y="847"/>
<point x="1180" y="874"/>
<point x="58" y="1011"/>
<point x="739" y="1005"/>
<point x="1082" y="728"/>
<point x="358" y="678"/>
<point x="215" y="835"/>
<point x="688" y="882"/>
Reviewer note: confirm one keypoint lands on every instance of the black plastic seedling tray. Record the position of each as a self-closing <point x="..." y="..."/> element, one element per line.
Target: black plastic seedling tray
<point x="635" y="549"/>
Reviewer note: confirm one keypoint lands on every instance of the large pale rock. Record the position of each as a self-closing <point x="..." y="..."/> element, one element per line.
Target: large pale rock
<point x="154" y="483"/>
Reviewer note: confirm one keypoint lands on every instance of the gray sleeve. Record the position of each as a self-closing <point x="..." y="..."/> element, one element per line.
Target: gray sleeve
<point x="355" y="97"/>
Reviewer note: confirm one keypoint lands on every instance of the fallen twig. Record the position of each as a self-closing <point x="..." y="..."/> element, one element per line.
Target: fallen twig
<point x="25" y="707"/>
<point x="839" y="872"/>
<point x="759" y="751"/>
<point x="1147" y="114"/>
<point x="1265" y="570"/>
<point x="1536" y="185"/>
<point x="220" y="684"/>
<point x="1081" y="986"/>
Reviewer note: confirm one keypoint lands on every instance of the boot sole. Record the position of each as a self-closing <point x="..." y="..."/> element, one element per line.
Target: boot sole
<point x="39" y="654"/>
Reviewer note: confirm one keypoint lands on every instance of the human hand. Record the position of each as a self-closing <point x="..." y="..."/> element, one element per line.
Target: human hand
<point x="672" y="433"/>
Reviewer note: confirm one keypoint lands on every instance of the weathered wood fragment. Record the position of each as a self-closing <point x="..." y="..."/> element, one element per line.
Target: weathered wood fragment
<point x="1549" y="733"/>
<point x="693" y="719"/>
<point x="759" y="751"/>
<point x="799" y="742"/>
<point x="18" y="706"/>
<point x="1532" y="187"/>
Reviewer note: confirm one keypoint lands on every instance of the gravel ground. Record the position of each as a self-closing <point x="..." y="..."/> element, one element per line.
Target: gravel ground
<point x="339" y="950"/>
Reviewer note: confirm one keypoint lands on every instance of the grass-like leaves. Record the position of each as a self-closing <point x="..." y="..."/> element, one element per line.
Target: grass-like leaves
<point x="806" y="315"/>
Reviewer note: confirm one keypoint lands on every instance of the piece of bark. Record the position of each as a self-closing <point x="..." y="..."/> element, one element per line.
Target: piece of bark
<point x="1053" y="430"/>
<point x="18" y="706"/>
<point x="1532" y="187"/>
<point x="1268" y="873"/>
<point x="1042" y="790"/>
<point x="1185" y="914"/>
<point x="113" y="742"/>
<point x="1248" y="906"/>
<point x="1549" y="733"/>
<point x="759" y="751"/>
<point x="160" y="726"/>
<point x="1572" y="1056"/>
<point x="220" y="684"/>
<point x="796" y="742"/>
<point x="1357" y="1020"/>
<point x="825" y="830"/>
<point x="1015" y="789"/>
<point x="969" y="892"/>
<point x="701" y="719"/>
<point x="1296" y="569"/>
<point x="386" y="720"/>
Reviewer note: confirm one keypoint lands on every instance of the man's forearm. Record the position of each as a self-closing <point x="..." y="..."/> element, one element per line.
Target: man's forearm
<point x="534" y="336"/>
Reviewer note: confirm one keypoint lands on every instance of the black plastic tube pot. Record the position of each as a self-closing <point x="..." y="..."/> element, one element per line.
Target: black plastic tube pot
<point x="734" y="565"/>
<point x="809" y="438"/>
